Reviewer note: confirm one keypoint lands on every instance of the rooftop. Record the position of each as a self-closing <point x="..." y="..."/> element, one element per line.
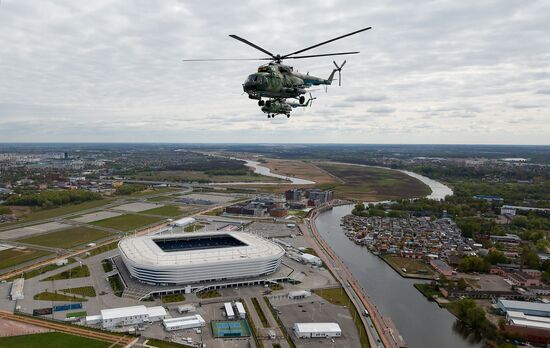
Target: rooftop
<point x="317" y="327"/>
<point x="533" y="306"/>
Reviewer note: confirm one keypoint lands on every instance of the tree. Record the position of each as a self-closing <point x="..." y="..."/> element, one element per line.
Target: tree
<point x="496" y="256"/>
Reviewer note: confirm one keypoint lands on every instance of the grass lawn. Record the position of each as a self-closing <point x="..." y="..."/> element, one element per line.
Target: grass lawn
<point x="52" y="296"/>
<point x="209" y="294"/>
<point x="191" y="175"/>
<point x="167" y="210"/>
<point x="76" y="314"/>
<point x="67" y="238"/>
<point x="87" y="291"/>
<point x="412" y="266"/>
<point x="107" y="265"/>
<point x="260" y="312"/>
<point x="116" y="285"/>
<point x="197" y="226"/>
<point x="51" y="340"/>
<point x="173" y="298"/>
<point x="339" y="297"/>
<point x="126" y="222"/>
<point x="163" y="344"/>
<point x="42" y="270"/>
<point x="41" y="214"/>
<point x="161" y="198"/>
<point x="371" y="183"/>
<point x="427" y="290"/>
<point x="103" y="248"/>
<point x="299" y="213"/>
<point x="75" y="272"/>
<point x="12" y="257"/>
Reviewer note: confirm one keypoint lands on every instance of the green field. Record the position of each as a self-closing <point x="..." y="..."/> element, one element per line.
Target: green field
<point x="209" y="294"/>
<point x="67" y="238"/>
<point x="87" y="291"/>
<point x="163" y="344"/>
<point x="116" y="285"/>
<point x="372" y="183"/>
<point x="260" y="312"/>
<point x="127" y="222"/>
<point x="172" y="298"/>
<point x="51" y="340"/>
<point x="12" y="257"/>
<point x="76" y="314"/>
<point x="413" y="267"/>
<point x="160" y="198"/>
<point x="41" y="214"/>
<point x="75" y="272"/>
<point x="339" y="297"/>
<point x="53" y="296"/>
<point x="167" y="210"/>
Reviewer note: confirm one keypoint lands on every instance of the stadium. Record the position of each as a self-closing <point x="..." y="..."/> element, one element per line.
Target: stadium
<point x="173" y="259"/>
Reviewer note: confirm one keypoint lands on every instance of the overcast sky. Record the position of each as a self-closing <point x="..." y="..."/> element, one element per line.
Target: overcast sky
<point x="429" y="71"/>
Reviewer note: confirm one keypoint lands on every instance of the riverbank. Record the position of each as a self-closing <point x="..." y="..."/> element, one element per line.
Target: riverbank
<point x="387" y="259"/>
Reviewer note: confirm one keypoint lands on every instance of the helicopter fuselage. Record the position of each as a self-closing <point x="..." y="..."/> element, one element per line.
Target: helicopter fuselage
<point x="276" y="80"/>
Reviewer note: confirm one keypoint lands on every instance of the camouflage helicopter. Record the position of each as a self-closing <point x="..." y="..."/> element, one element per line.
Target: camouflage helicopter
<point x="276" y="81"/>
<point x="282" y="106"/>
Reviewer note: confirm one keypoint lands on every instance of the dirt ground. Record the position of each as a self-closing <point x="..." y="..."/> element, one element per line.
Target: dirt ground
<point x="299" y="169"/>
<point x="13" y="328"/>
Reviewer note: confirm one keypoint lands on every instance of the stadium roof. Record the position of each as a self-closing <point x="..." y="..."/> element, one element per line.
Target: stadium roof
<point x="143" y="250"/>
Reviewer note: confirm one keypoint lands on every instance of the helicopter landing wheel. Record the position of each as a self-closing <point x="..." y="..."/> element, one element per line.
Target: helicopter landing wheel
<point x="268" y="103"/>
<point x="268" y="116"/>
<point x="261" y="102"/>
<point x="302" y="99"/>
<point x="287" y="115"/>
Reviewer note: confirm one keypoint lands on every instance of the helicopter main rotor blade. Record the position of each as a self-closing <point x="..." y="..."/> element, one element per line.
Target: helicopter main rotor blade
<point x="253" y="45"/>
<point x="322" y="55"/>
<point x="286" y="56"/>
<point x="222" y="59"/>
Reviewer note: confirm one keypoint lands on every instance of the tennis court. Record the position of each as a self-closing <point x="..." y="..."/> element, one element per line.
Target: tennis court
<point x="237" y="328"/>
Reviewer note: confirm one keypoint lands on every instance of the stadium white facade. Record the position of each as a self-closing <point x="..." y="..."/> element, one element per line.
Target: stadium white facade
<point x="199" y="257"/>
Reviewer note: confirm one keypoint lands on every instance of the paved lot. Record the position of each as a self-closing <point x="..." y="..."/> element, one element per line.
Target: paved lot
<point x="31" y="230"/>
<point x="137" y="207"/>
<point x="490" y="282"/>
<point x="15" y="328"/>
<point x="270" y="230"/>
<point x="316" y="309"/>
<point x="100" y="215"/>
<point x="217" y="199"/>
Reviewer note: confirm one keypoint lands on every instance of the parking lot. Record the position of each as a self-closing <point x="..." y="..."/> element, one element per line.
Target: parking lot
<point x="272" y="230"/>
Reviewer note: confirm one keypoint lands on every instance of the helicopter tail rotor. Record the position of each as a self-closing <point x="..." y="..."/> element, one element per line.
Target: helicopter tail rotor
<point x="339" y="69"/>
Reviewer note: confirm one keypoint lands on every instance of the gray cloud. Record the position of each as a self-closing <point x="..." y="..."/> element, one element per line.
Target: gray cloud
<point x="111" y="71"/>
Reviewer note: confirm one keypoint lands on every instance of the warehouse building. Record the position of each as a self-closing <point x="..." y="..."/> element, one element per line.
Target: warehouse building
<point x="184" y="323"/>
<point x="127" y="316"/>
<point x="527" y="308"/>
<point x="314" y="330"/>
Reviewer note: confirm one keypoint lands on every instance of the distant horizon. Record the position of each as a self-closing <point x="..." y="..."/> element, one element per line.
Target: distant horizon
<point x="270" y="143"/>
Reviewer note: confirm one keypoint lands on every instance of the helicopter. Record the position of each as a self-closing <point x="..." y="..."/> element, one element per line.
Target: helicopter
<point x="281" y="106"/>
<point x="276" y="81"/>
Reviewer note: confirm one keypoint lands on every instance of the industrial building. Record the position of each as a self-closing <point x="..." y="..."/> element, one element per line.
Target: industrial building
<point x="299" y="294"/>
<point x="186" y="308"/>
<point x="314" y="330"/>
<point x="527" y="308"/>
<point x="198" y="257"/>
<point x="16" y="292"/>
<point x="127" y="316"/>
<point x="183" y="222"/>
<point x="184" y="323"/>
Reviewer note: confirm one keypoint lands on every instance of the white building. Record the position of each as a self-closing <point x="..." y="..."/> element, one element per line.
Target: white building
<point x="16" y="292"/>
<point x="229" y="310"/>
<point x="183" y="323"/>
<point x="127" y="316"/>
<point x="240" y="310"/>
<point x="295" y="295"/>
<point x="312" y="259"/>
<point x="183" y="222"/>
<point x="198" y="257"/>
<point x="312" y="330"/>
